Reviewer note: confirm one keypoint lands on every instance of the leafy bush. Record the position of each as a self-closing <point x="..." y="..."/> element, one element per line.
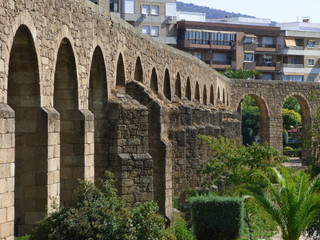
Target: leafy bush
<point x="180" y="230"/>
<point x="232" y="165"/>
<point x="218" y="218"/>
<point x="98" y="213"/>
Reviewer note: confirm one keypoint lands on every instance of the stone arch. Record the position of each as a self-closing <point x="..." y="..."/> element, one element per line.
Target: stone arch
<point x="188" y="89"/>
<point x="71" y="121"/>
<point x="154" y="81"/>
<point x="31" y="132"/>
<point x="205" y="95"/>
<point x="98" y="103"/>
<point x="264" y="120"/>
<point x="223" y="96"/>
<point x="211" y="95"/>
<point x="120" y="77"/>
<point x="218" y="94"/>
<point x="197" y="92"/>
<point x="167" y="85"/>
<point x="22" y="19"/>
<point x="305" y="114"/>
<point x="177" y="86"/>
<point x="138" y="71"/>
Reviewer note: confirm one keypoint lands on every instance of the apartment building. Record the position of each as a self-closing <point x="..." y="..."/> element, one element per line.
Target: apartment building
<point x="232" y="45"/>
<point x="155" y="18"/>
<point x="300" y="51"/>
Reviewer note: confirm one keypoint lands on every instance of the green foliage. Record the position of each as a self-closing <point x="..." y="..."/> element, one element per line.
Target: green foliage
<point x="250" y="120"/>
<point x="293" y="202"/>
<point x="217" y="218"/>
<point x="292" y="104"/>
<point x="180" y="230"/>
<point x="241" y="73"/>
<point x="290" y="119"/>
<point x="285" y="136"/>
<point x="231" y="165"/>
<point x="98" y="213"/>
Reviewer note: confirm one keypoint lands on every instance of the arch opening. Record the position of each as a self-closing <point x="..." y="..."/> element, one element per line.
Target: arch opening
<point x="167" y="85"/>
<point x="138" y="71"/>
<point x="255" y="120"/>
<point x="120" y="77"/>
<point x="154" y="81"/>
<point x="178" y="86"/>
<point x="205" y="95"/>
<point x="71" y="122"/>
<point x="188" y="90"/>
<point x="31" y="133"/>
<point x="296" y="119"/>
<point x="197" y="92"/>
<point x="98" y="103"/>
<point x="211" y="95"/>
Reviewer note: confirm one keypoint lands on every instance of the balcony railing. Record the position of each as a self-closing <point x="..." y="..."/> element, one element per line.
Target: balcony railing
<point x="290" y="65"/>
<point x="261" y="45"/>
<point x="209" y="42"/>
<point x="271" y="64"/>
<point x="296" y="48"/>
<point x="221" y="62"/>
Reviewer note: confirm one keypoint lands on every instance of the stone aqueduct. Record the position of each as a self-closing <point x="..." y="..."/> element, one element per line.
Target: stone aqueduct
<point x="82" y="92"/>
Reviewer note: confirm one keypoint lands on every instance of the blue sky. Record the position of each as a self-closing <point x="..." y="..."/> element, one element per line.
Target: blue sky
<point x="277" y="10"/>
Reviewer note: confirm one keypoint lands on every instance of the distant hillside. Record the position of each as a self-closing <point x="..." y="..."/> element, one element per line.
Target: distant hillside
<point x="210" y="12"/>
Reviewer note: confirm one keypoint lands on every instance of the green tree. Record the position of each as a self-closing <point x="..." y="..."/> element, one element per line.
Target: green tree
<point x="230" y="165"/>
<point x="290" y="119"/>
<point x="241" y="73"/>
<point x="293" y="202"/>
<point x="250" y="120"/>
<point x="292" y="104"/>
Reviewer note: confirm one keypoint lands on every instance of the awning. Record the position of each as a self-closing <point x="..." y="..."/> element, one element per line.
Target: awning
<point x="293" y="74"/>
<point x="250" y="36"/>
<point x="290" y="42"/>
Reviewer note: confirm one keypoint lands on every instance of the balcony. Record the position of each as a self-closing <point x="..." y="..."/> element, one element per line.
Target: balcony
<point x="290" y="65"/>
<point x="249" y="65"/>
<point x="206" y="44"/>
<point x="268" y="47"/>
<point x="263" y="66"/>
<point x="249" y="46"/>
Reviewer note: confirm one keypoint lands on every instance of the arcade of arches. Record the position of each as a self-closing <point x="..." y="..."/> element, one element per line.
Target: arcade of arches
<point x="72" y="107"/>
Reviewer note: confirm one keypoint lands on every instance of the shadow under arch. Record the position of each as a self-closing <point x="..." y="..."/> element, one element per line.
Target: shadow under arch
<point x="98" y="104"/>
<point x="197" y="92"/>
<point x="31" y="133"/>
<point x="177" y="86"/>
<point x="120" y="77"/>
<point x="167" y="85"/>
<point x="154" y="81"/>
<point x="211" y="95"/>
<point x="264" y="119"/>
<point x="188" y="90"/>
<point x="205" y="95"/>
<point x="72" y="160"/>
<point x="138" y="71"/>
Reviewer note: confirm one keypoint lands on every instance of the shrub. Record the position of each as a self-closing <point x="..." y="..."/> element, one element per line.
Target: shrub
<point x="180" y="230"/>
<point x="218" y="218"/>
<point x="98" y="213"/>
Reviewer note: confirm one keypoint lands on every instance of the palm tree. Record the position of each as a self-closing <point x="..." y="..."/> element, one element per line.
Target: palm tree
<point x="293" y="202"/>
<point x="241" y="73"/>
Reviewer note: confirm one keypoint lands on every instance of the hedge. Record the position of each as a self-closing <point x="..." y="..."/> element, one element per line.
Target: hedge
<point x="219" y="218"/>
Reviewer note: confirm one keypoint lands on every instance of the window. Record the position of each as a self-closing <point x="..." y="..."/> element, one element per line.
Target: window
<point x="154" y="31"/>
<point x="196" y="54"/>
<point x="249" y="40"/>
<point x="155" y="10"/>
<point x="293" y="78"/>
<point x="248" y="57"/>
<point x="267" y="59"/>
<point x="129" y="6"/>
<point x="145" y="9"/>
<point x="146" y="30"/>
<point x="266" y="76"/>
<point x="311" y="44"/>
<point x="171" y="9"/>
<point x="311" y="79"/>
<point x="114" y="5"/>
<point x="311" y="62"/>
